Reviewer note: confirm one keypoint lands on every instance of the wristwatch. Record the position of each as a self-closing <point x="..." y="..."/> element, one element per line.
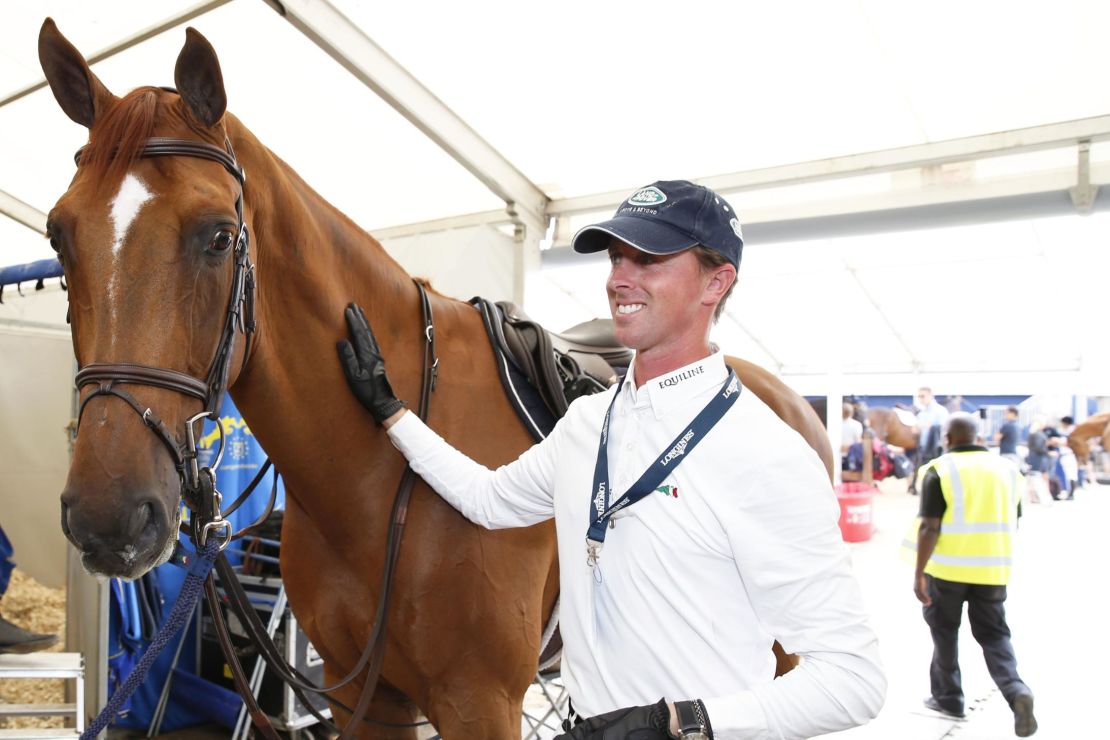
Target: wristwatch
<point x="693" y="723"/>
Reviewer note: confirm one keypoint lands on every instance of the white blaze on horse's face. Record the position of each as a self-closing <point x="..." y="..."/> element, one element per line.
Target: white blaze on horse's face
<point x="132" y="196"/>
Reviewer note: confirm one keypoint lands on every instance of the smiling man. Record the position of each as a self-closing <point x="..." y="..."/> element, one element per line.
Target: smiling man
<point x="670" y="603"/>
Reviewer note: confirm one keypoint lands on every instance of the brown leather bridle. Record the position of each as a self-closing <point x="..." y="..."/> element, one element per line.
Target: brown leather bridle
<point x="197" y="483"/>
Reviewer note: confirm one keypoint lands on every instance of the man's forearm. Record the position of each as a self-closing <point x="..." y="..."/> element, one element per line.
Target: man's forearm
<point x="927" y="535"/>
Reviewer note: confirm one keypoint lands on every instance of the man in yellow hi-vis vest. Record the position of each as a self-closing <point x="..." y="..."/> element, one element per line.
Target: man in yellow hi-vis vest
<point x="969" y="508"/>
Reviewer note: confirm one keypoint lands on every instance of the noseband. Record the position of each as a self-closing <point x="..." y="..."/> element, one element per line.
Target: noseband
<point x="198" y="485"/>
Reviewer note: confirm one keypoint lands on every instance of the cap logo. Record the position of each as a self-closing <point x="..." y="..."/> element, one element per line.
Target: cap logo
<point x="649" y="196"/>
<point x="735" y="224"/>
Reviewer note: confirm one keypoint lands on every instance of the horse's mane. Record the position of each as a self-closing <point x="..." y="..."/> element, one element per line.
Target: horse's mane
<point x="117" y="138"/>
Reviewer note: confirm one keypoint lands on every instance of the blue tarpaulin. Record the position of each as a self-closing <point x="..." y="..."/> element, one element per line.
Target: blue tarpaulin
<point x="6" y="564"/>
<point x="39" y="270"/>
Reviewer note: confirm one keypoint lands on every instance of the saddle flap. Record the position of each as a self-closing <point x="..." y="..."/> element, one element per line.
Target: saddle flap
<point x="584" y="359"/>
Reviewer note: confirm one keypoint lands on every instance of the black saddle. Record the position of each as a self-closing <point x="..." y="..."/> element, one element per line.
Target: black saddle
<point x="585" y="359"/>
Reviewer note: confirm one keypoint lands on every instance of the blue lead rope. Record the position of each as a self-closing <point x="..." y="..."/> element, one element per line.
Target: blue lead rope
<point x="182" y="610"/>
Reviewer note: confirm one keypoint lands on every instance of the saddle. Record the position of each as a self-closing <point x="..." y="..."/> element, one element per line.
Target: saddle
<point x="543" y="372"/>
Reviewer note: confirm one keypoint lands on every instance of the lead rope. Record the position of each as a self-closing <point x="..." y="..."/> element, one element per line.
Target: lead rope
<point x="199" y="571"/>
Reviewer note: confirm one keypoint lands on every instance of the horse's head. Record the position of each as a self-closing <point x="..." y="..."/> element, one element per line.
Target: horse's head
<point x="148" y="235"/>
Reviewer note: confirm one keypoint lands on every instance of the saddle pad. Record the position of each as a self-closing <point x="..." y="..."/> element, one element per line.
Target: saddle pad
<point x="525" y="399"/>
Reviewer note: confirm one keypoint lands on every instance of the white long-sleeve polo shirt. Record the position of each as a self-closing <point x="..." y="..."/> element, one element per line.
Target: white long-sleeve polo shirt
<point x="739" y="547"/>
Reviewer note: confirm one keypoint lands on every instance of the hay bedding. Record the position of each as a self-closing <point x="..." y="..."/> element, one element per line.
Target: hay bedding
<point x="36" y="608"/>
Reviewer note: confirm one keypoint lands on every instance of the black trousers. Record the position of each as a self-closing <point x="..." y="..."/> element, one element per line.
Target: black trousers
<point x="987" y="614"/>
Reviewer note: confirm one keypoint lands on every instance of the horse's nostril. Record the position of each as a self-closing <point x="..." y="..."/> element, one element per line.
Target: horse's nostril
<point x="65" y="519"/>
<point x="146" y="512"/>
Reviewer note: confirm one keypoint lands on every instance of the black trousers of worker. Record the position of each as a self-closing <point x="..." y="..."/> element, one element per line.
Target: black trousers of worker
<point x="987" y="615"/>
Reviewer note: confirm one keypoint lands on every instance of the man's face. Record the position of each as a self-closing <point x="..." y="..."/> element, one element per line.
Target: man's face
<point x="924" y="397"/>
<point x="655" y="300"/>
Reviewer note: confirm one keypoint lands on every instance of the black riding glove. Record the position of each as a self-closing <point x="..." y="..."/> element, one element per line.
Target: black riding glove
<point x="634" y="723"/>
<point x="364" y="367"/>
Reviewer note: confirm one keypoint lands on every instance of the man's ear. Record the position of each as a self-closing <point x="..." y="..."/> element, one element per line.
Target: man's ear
<point x="721" y="278"/>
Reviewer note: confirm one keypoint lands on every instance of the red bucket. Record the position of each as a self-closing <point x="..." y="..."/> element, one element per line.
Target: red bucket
<point x="855" y="511"/>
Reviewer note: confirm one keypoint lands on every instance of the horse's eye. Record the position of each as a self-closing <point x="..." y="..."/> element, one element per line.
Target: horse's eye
<point x="222" y="241"/>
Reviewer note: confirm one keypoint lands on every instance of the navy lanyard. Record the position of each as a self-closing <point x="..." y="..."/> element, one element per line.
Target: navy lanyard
<point x="672" y="457"/>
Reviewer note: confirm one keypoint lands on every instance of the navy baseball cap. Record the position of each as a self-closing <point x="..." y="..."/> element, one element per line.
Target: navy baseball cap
<point x="669" y="216"/>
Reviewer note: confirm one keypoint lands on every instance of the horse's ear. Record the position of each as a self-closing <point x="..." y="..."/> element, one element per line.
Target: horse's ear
<point x="199" y="80"/>
<point x="82" y="96"/>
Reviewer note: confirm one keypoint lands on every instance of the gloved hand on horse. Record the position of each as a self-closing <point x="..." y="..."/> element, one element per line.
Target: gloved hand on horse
<point x="634" y="723"/>
<point x="364" y="367"/>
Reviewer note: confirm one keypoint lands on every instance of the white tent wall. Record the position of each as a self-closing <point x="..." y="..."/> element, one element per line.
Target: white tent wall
<point x="461" y="263"/>
<point x="36" y="382"/>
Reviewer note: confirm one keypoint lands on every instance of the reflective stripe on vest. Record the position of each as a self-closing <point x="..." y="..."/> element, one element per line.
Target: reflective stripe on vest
<point x="975" y="533"/>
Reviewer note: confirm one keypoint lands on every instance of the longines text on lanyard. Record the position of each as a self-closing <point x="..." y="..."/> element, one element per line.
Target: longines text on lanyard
<point x="675" y="453"/>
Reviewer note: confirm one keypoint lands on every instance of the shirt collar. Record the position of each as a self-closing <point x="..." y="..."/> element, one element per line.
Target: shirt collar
<point x="676" y="388"/>
<point x="969" y="448"/>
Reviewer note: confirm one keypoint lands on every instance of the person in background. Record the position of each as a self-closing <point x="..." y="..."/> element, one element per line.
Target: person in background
<point x="679" y="566"/>
<point x="1067" y="467"/>
<point x="1008" y="436"/>
<point x="970" y="503"/>
<point x="931" y="417"/>
<point x="1038" y="459"/>
<point x="851" y="431"/>
<point x="13" y="638"/>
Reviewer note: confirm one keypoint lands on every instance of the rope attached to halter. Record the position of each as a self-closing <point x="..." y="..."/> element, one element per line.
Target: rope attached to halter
<point x="182" y="610"/>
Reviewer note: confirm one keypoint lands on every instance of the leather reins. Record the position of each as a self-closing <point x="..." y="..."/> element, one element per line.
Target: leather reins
<point x="373" y="654"/>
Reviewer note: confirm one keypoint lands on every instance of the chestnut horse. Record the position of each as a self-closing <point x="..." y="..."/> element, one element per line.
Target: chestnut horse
<point x="891" y="429"/>
<point x="1080" y="438"/>
<point x="149" y="246"/>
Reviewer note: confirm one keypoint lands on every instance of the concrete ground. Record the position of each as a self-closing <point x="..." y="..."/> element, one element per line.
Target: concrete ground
<point x="1056" y="609"/>
<point x="1058" y="603"/>
<point x="1057" y="606"/>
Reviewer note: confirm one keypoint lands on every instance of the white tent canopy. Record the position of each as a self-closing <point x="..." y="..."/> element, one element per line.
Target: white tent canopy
<point x="835" y="127"/>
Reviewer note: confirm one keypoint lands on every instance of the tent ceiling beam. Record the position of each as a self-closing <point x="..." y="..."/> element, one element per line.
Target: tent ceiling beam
<point x="1036" y="138"/>
<point x="919" y="192"/>
<point x="124" y="44"/>
<point x="28" y="215"/>
<point x="972" y="381"/>
<point x="346" y="43"/>
<point x="1083" y="193"/>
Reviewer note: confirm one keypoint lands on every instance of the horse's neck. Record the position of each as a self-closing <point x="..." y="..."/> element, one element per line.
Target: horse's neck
<point x="311" y="261"/>
<point x="1092" y="427"/>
